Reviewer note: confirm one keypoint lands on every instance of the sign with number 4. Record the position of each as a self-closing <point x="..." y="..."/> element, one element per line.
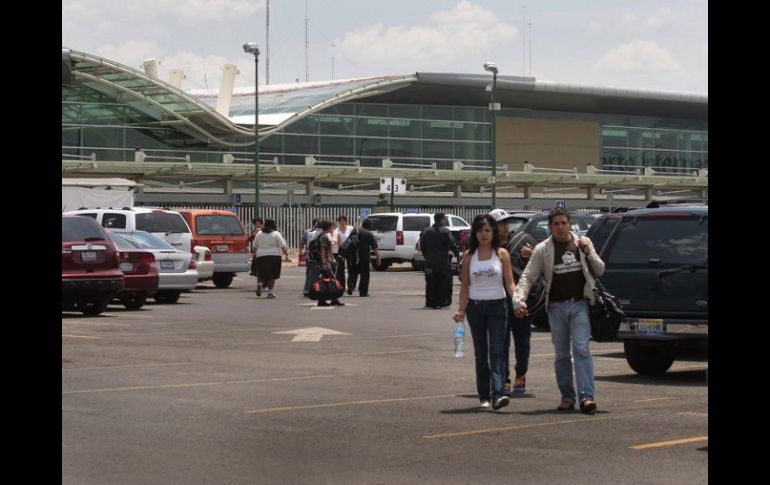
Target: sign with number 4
<point x="398" y="184"/>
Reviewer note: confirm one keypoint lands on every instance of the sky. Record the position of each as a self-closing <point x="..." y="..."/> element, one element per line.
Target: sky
<point x="660" y="45"/>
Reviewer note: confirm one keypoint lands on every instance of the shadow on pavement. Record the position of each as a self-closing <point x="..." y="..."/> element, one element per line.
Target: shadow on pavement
<point x="670" y="378"/>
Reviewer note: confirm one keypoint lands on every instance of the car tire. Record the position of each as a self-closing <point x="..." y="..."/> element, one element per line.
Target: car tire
<point x="649" y="359"/>
<point x="418" y="266"/>
<point x="222" y="280"/>
<point x="134" y="302"/>
<point x="93" y="306"/>
<point x="168" y="297"/>
<point x="383" y="266"/>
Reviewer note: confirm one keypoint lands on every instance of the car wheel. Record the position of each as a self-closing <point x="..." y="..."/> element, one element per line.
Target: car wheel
<point x="222" y="280"/>
<point x="134" y="302"/>
<point x="383" y="266"/>
<point x="649" y="359"/>
<point x="169" y="297"/>
<point x="418" y="266"/>
<point x="93" y="306"/>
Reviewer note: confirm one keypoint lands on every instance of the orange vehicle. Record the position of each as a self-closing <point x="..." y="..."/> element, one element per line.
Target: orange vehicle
<point x="222" y="232"/>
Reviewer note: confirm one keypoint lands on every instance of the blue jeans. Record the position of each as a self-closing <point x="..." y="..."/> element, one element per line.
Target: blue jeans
<point x="489" y="328"/>
<point x="570" y="321"/>
<point x="521" y="329"/>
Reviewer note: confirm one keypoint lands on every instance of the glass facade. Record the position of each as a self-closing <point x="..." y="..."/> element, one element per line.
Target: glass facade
<point x="368" y="132"/>
<point x="93" y="122"/>
<point x="663" y="150"/>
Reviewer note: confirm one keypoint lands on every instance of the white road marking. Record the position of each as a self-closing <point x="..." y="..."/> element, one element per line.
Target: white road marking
<point x="311" y="334"/>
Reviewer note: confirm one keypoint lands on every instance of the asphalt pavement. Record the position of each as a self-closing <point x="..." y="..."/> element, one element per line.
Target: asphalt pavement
<point x="226" y="387"/>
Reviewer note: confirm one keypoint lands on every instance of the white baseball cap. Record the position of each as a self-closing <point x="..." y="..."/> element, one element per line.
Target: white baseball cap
<point x="500" y="215"/>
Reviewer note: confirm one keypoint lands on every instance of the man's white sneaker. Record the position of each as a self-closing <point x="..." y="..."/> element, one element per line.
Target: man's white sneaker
<point x="486" y="404"/>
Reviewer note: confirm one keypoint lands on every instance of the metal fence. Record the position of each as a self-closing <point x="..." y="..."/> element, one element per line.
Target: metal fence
<point x="293" y="221"/>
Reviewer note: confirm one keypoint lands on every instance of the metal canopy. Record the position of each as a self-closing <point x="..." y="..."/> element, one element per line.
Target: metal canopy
<point x="156" y="99"/>
<point x="269" y="172"/>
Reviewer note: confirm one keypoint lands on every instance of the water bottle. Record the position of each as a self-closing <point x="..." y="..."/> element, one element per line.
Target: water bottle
<point x="459" y="339"/>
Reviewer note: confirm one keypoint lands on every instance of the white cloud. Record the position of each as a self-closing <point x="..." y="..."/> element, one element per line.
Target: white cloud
<point x="660" y="19"/>
<point x="467" y="28"/>
<point x="638" y="56"/>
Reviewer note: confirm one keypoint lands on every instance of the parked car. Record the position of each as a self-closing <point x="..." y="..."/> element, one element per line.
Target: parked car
<point x="656" y="264"/>
<point x="140" y="271"/>
<point x="90" y="268"/>
<point x="167" y="224"/>
<point x="176" y="269"/>
<point x="515" y="222"/>
<point x="396" y="235"/>
<point x="205" y="268"/>
<point x="222" y="232"/>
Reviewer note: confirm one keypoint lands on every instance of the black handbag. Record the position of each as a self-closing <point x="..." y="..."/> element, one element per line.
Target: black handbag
<point x="606" y="312"/>
<point x="325" y="288"/>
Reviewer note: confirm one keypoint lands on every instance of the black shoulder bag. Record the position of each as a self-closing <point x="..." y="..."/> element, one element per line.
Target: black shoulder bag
<point x="606" y="312"/>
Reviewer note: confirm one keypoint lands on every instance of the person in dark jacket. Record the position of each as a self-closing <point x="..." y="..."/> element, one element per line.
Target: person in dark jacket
<point x="519" y="248"/>
<point x="435" y="244"/>
<point x="366" y="243"/>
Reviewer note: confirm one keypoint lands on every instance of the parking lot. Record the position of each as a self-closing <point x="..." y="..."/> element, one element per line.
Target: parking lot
<point x="225" y="387"/>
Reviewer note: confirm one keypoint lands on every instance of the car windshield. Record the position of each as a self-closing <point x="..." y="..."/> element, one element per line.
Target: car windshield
<point x="144" y="240"/>
<point x="80" y="229"/>
<point x="663" y="240"/>
<point x="161" y="222"/>
<point x="122" y="242"/>
<point x="216" y="225"/>
<point x="416" y="223"/>
<point x="384" y="223"/>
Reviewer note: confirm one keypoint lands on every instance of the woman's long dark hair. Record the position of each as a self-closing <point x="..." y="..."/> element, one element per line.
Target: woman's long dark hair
<point x="478" y="222"/>
<point x="269" y="226"/>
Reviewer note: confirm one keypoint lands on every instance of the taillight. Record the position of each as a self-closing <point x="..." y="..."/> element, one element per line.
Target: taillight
<point x="400" y="238"/>
<point x="207" y="256"/>
<point x="462" y="240"/>
<point x="193" y="264"/>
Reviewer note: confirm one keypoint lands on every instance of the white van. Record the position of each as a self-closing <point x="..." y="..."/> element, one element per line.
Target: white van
<point x="167" y="224"/>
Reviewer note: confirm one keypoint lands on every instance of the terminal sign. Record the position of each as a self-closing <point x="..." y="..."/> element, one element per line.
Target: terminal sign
<point x="398" y="185"/>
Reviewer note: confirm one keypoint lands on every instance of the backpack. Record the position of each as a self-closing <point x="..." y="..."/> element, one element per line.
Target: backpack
<point x="350" y="246"/>
<point x="314" y="249"/>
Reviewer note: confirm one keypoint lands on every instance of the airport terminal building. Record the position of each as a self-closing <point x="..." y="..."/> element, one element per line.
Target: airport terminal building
<point x="338" y="138"/>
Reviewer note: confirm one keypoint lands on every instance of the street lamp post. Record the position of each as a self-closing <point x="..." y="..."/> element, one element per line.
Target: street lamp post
<point x="251" y="48"/>
<point x="493" y="107"/>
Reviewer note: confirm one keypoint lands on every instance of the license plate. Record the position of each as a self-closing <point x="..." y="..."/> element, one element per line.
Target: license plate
<point x="166" y="265"/>
<point x="222" y="248"/>
<point x="650" y="326"/>
<point x="126" y="267"/>
<point x="88" y="256"/>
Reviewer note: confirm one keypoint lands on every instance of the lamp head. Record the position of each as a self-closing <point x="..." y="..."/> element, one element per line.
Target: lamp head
<point x="251" y="48"/>
<point x="490" y="66"/>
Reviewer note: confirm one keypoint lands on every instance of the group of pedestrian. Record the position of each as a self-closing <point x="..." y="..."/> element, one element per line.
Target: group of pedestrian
<point x="322" y="245"/>
<point x="493" y="297"/>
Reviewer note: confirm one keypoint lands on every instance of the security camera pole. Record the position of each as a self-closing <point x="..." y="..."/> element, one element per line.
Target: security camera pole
<point x="251" y="48"/>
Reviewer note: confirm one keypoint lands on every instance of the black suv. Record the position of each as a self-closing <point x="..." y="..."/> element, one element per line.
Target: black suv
<point x="657" y="266"/>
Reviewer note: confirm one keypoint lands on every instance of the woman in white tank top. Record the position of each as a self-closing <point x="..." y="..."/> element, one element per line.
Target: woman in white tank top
<point x="486" y="273"/>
